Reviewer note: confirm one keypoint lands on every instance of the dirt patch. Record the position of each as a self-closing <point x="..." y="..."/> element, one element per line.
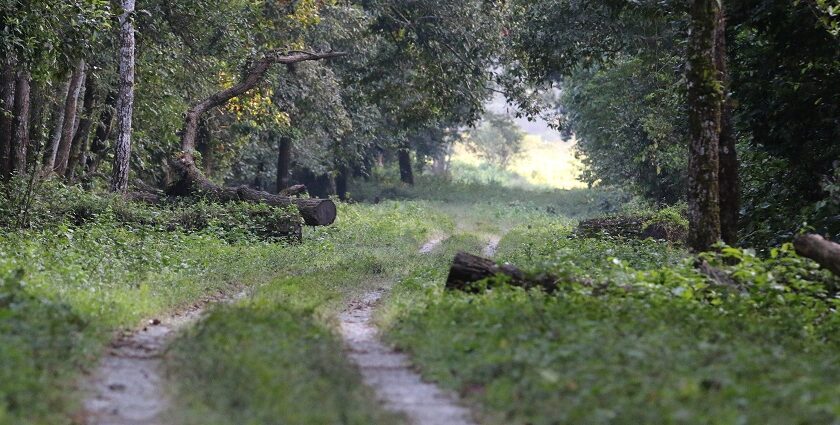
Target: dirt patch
<point x="127" y="386"/>
<point x="492" y="245"/>
<point x="432" y="244"/>
<point x="390" y="373"/>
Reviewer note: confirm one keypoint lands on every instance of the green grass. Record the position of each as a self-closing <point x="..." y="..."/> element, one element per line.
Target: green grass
<point x="634" y="334"/>
<point x="67" y="289"/>
<point x="275" y="358"/>
<point x="650" y="342"/>
<point x="68" y="286"/>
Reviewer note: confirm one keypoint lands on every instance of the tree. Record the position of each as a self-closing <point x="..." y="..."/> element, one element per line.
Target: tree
<point x="125" y="99"/>
<point x="68" y="123"/>
<point x="497" y="140"/>
<point x="20" y="123"/>
<point x="704" y="112"/>
<point x="729" y="182"/>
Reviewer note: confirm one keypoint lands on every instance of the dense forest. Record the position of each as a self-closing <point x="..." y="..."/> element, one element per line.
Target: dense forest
<point x="255" y="203"/>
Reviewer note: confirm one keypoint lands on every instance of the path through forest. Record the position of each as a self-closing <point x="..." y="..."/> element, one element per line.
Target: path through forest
<point x="389" y="372"/>
<point x="127" y="387"/>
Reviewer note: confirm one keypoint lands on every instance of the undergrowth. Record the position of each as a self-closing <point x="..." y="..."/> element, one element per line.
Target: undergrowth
<point x="635" y="334"/>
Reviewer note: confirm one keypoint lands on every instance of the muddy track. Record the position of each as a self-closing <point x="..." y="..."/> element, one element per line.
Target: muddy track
<point x="126" y="388"/>
<point x="390" y="373"/>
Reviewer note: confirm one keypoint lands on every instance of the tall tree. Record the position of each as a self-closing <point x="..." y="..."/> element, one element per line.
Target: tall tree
<point x="79" y="144"/>
<point x="20" y="138"/>
<point x="57" y="122"/>
<point x="284" y="162"/>
<point x="704" y="111"/>
<point x="68" y="124"/>
<point x="7" y="96"/>
<point x="728" y="177"/>
<point x="125" y="99"/>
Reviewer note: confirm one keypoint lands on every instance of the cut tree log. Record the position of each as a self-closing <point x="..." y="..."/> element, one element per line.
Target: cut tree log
<point x="467" y="269"/>
<point x="817" y="248"/>
<point x="192" y="182"/>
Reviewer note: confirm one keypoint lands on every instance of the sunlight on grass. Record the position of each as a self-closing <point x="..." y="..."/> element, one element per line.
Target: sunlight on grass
<point x="545" y="164"/>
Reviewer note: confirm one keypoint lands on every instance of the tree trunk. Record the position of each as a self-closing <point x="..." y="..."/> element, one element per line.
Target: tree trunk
<point x="20" y="139"/>
<point x="62" y="156"/>
<point x="704" y="110"/>
<point x="284" y="162"/>
<point x="204" y="139"/>
<point x="125" y="99"/>
<point x="730" y="198"/>
<point x="82" y="132"/>
<point x="406" y="173"/>
<point x="103" y="132"/>
<point x="341" y="183"/>
<point x="252" y="77"/>
<point x="57" y="123"/>
<point x="192" y="182"/>
<point x="817" y="248"/>
<point x="37" y="126"/>
<point x="7" y="96"/>
<point x="468" y="269"/>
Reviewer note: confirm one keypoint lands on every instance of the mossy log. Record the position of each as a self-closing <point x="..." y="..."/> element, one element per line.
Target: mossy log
<point x="467" y="269"/>
<point x="192" y="182"/>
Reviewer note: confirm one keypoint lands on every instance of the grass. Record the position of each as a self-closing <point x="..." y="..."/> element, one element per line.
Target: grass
<point x="651" y="342"/>
<point x="66" y="287"/>
<point x="275" y="358"/>
<point x="65" y="291"/>
<point x="634" y="335"/>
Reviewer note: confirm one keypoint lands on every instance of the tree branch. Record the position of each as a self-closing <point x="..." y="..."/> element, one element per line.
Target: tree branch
<point x="254" y="75"/>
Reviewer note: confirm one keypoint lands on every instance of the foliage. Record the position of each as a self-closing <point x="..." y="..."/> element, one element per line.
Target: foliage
<point x="635" y="332"/>
<point x="630" y="122"/>
<point x="55" y="205"/>
<point x="497" y="139"/>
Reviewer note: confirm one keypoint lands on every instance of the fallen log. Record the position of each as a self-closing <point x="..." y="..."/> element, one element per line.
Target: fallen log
<point x="192" y="182"/>
<point x="817" y="248"/>
<point x="295" y="190"/>
<point x="467" y="269"/>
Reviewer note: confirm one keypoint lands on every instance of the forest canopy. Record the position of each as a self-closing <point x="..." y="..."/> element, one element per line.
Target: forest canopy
<point x="411" y="75"/>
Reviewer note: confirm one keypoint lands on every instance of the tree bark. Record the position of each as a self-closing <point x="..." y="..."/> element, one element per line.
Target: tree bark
<point x="103" y="132"/>
<point x="62" y="156"/>
<point x="704" y="110"/>
<point x="730" y="196"/>
<point x="817" y="248"/>
<point x="7" y="96"/>
<point x="406" y="173"/>
<point x="57" y="122"/>
<point x="82" y="132"/>
<point x="20" y="139"/>
<point x="125" y="99"/>
<point x="284" y="162"/>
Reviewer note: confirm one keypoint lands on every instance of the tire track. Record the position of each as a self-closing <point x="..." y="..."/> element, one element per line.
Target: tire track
<point x="389" y="372"/>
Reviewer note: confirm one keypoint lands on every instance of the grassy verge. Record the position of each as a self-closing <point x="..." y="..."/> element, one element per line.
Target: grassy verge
<point x="275" y="358"/>
<point x="92" y="267"/>
<point x="652" y="342"/>
<point x="65" y="290"/>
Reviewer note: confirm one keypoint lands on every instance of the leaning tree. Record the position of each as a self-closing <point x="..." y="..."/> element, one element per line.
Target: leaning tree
<point x="190" y="179"/>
